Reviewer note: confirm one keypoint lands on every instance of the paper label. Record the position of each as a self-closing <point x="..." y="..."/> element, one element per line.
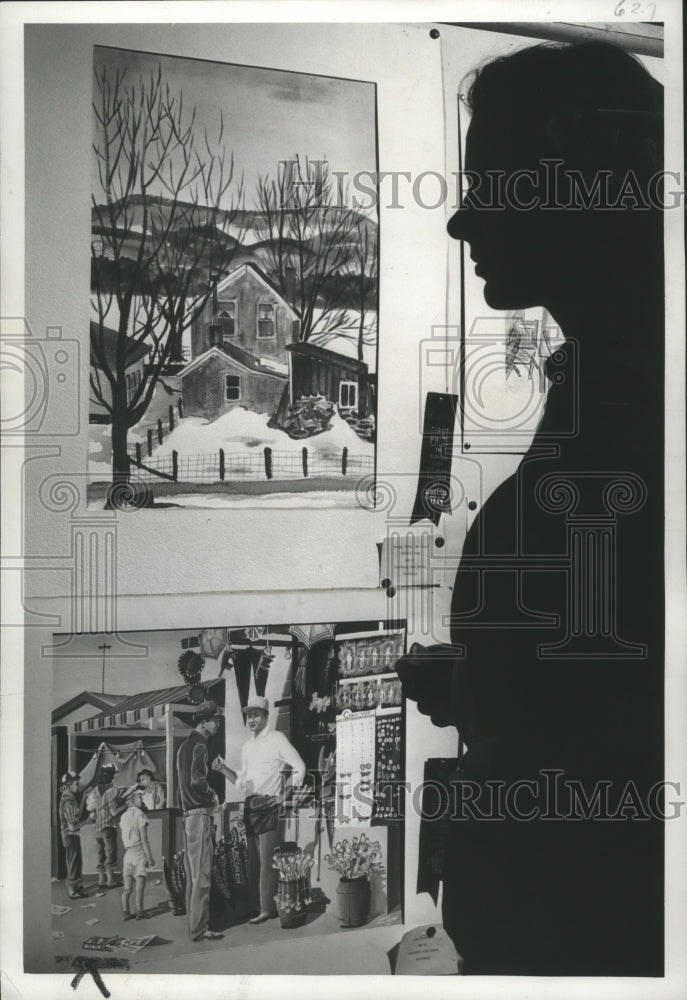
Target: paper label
<point x="408" y="560"/>
<point x="427" y="951"/>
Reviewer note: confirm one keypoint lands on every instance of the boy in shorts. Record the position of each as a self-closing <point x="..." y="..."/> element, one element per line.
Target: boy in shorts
<point x="137" y="855"/>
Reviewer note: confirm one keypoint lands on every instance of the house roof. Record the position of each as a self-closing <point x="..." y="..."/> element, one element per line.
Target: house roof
<point x="134" y="350"/>
<point x="307" y="350"/>
<point x="96" y="699"/>
<point x="233" y="355"/>
<point x="136" y="709"/>
<point x="238" y="272"/>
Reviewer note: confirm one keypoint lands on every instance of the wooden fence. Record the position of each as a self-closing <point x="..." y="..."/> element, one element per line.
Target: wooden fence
<point x="264" y="464"/>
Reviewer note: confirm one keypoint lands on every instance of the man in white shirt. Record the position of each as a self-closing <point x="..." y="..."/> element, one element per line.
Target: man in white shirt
<point x="265" y="760"/>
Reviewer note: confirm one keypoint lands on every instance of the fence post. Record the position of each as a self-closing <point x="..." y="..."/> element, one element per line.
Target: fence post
<point x="268" y="462"/>
<point x="305" y="462"/>
<point x="171" y="417"/>
<point x="221" y="464"/>
<point x="175" y="466"/>
<point x="150" y="442"/>
<point x="180" y="408"/>
<point x="344" y="461"/>
<point x="138" y="453"/>
<point x="160" y="435"/>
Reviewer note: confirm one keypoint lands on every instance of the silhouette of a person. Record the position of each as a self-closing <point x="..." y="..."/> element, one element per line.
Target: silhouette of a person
<point x="556" y="672"/>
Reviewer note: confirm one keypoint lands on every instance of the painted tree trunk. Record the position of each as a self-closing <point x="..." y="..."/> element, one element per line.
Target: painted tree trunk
<point x="120" y="450"/>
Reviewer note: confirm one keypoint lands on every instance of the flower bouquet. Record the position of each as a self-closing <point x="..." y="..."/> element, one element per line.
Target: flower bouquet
<point x="293" y="889"/>
<point x="355" y="863"/>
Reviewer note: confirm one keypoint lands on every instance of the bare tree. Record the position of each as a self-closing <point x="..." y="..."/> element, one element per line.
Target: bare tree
<point x="361" y="289"/>
<point x="161" y="237"/>
<point x="309" y="238"/>
<point x="367" y="261"/>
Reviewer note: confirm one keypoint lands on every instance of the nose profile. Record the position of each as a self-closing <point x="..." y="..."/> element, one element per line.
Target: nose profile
<point x="456" y="226"/>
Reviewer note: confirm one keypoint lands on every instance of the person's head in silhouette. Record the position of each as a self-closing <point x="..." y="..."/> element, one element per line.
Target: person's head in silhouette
<point x="598" y="112"/>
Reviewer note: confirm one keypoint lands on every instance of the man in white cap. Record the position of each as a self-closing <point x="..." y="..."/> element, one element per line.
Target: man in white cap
<point x="198" y="802"/>
<point x="265" y="759"/>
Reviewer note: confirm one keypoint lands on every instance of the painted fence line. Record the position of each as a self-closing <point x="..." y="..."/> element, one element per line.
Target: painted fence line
<point x="160" y="431"/>
<point x="222" y="466"/>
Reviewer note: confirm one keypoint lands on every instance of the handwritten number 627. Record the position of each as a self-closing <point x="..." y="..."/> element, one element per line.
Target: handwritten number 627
<point x="649" y="11"/>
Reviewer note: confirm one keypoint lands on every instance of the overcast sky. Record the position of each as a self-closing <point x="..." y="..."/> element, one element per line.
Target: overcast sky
<point x="269" y="115"/>
<point x="150" y="662"/>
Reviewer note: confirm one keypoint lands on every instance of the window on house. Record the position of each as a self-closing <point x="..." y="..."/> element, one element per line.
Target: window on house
<point x="132" y="381"/>
<point x="227" y="318"/>
<point x="232" y="388"/>
<point x="348" y="395"/>
<point x="266" y="325"/>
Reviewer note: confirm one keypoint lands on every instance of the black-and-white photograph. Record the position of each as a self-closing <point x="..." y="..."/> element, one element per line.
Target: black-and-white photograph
<point x="343" y="437"/>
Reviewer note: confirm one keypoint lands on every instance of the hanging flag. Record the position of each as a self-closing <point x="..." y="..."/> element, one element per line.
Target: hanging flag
<point x="213" y="641"/>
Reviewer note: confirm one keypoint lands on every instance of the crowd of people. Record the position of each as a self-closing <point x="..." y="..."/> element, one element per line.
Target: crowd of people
<point x="109" y="808"/>
<point x="269" y="771"/>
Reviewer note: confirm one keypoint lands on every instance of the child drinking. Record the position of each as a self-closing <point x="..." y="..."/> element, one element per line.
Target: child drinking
<point x="137" y="857"/>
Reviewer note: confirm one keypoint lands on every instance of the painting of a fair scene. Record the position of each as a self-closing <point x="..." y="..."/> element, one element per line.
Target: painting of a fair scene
<point x="224" y="788"/>
<point x="234" y="285"/>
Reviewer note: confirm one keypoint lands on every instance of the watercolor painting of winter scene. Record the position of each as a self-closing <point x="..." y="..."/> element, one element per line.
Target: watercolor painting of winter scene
<point x="234" y="285"/>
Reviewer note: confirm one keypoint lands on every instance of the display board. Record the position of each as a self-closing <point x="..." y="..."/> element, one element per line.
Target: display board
<point x="322" y="772"/>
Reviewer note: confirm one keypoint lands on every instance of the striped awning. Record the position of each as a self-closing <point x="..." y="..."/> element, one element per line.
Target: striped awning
<point x="137" y="710"/>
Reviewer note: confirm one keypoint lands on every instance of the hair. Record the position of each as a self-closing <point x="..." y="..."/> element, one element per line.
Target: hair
<point x="590" y="102"/>
<point x="137" y="791"/>
<point x="145" y="770"/>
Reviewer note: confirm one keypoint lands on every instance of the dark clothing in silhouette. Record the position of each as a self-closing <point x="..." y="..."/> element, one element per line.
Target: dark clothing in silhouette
<point x="559" y="539"/>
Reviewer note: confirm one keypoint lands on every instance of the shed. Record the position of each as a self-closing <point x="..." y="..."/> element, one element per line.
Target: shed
<point x="316" y="370"/>
<point x="224" y="378"/>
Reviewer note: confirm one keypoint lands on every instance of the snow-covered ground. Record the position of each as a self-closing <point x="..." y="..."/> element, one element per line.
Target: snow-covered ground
<point x="241" y="430"/>
<point x="167" y="392"/>
<point x="242" y="434"/>
<point x="317" y="499"/>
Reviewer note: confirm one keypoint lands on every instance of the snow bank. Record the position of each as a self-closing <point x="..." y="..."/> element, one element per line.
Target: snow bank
<point x="242" y="430"/>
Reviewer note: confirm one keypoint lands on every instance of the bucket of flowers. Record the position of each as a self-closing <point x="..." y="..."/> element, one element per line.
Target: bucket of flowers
<point x="355" y="863"/>
<point x="293" y="887"/>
